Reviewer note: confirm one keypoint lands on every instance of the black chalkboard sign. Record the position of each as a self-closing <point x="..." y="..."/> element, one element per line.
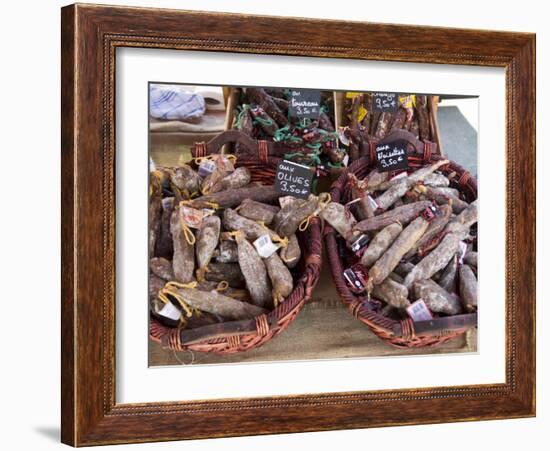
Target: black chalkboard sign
<point x="385" y="101"/>
<point x="293" y="179"/>
<point x="305" y="103"/>
<point x="392" y="156"/>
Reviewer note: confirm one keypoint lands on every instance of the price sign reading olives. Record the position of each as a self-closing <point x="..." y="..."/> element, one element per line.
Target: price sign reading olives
<point x="293" y="179"/>
<point x="385" y="101"/>
<point x="305" y="103"/>
<point x="392" y="156"/>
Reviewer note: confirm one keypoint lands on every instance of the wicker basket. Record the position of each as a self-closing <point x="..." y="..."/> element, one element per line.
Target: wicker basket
<point x="237" y="336"/>
<point x="271" y="148"/>
<point x="404" y="333"/>
<point x="257" y="152"/>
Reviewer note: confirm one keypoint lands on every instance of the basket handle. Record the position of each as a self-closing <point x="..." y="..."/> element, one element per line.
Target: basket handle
<point x="439" y="326"/>
<point x="230" y="136"/>
<point x="260" y="149"/>
<point x="406" y="136"/>
<point x="222" y="330"/>
<point x="424" y="148"/>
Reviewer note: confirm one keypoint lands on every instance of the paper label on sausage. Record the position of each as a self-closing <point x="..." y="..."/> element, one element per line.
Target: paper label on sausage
<point x="223" y="162"/>
<point x="192" y="217"/>
<point x="407" y="101"/>
<point x="206" y="168"/>
<point x="372" y="202"/>
<point x="430" y="213"/>
<point x="462" y="248"/>
<point x="356" y="278"/>
<point x="359" y="245"/>
<point x="361" y="113"/>
<point x="419" y="311"/>
<point x="342" y="136"/>
<point x="265" y="246"/>
<point x="170" y="311"/>
<point x="345" y="161"/>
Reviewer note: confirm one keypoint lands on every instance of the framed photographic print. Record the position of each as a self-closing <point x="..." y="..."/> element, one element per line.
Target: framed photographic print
<point x="266" y="230"/>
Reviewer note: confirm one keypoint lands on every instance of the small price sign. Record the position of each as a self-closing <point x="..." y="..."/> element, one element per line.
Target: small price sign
<point x="385" y="101"/>
<point x="392" y="156"/>
<point x="293" y="179"/>
<point x="305" y="103"/>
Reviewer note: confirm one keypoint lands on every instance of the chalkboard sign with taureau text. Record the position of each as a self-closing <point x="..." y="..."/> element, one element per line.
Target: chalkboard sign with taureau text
<point x="305" y="103"/>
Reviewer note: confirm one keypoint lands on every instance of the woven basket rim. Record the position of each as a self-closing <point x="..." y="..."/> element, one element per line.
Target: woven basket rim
<point x="252" y="150"/>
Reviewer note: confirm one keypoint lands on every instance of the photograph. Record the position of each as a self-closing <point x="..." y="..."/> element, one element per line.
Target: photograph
<point x="246" y="183"/>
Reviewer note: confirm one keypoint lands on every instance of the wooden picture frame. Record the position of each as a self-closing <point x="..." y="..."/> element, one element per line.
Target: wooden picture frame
<point x="90" y="36"/>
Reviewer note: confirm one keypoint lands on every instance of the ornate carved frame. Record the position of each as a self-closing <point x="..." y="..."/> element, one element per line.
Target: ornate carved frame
<point x="90" y="37"/>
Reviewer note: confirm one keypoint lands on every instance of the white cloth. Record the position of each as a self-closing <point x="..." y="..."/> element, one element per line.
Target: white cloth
<point x="174" y="103"/>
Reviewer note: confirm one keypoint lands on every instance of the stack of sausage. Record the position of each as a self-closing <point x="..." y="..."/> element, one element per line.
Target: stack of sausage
<point x="263" y="115"/>
<point x="411" y="243"/>
<point x="221" y="248"/>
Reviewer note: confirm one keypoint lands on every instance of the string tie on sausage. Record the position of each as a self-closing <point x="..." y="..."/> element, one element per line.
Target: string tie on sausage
<point x="201" y="272"/>
<point x="170" y="289"/>
<point x="235" y="233"/>
<point x="199" y="160"/>
<point x="222" y="285"/>
<point x="213" y="205"/>
<point x="323" y="200"/>
<point x="304" y="224"/>
<point x="287" y="260"/>
<point x="283" y="242"/>
<point x="187" y="232"/>
<point x="277" y="298"/>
